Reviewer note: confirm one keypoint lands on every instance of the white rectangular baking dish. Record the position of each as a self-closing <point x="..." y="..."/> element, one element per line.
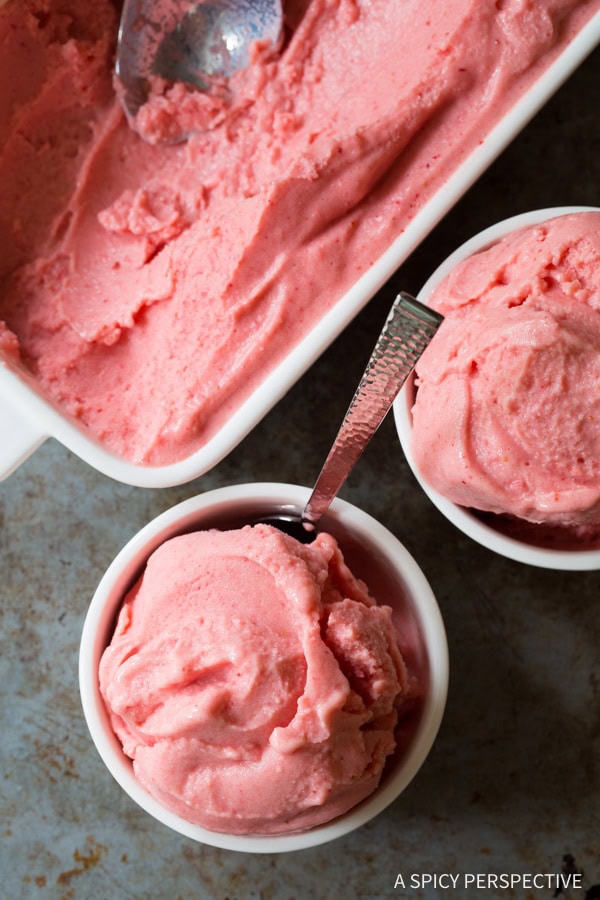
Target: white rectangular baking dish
<point x="27" y="418"/>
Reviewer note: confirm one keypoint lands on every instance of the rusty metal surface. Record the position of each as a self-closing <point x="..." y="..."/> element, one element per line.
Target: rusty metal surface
<point x="513" y="783"/>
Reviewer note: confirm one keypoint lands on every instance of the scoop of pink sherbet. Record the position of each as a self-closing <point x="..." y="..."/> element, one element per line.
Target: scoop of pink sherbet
<point x="508" y="403"/>
<point x="253" y="681"/>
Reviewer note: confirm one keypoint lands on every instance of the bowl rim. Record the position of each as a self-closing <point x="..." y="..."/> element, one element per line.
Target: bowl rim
<point x="461" y="517"/>
<point x="123" y="569"/>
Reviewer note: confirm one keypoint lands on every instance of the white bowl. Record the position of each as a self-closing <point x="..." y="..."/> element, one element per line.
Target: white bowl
<point x="416" y="613"/>
<point x="27" y="417"/>
<point x="464" y="519"/>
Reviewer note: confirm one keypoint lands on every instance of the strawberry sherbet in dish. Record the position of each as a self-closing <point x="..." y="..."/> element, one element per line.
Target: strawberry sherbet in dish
<point x="151" y="288"/>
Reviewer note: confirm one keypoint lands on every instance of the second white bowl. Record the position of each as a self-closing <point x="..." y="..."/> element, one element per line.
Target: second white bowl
<point x="467" y="520"/>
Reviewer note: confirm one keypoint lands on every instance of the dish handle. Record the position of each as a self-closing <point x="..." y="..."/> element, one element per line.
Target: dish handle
<point x="19" y="438"/>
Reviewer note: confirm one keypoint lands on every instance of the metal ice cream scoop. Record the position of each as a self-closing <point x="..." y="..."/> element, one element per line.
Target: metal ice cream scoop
<point x="187" y="41"/>
<point x="409" y="328"/>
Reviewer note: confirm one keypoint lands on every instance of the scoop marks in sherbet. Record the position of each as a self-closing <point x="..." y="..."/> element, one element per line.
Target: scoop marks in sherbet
<point x="151" y="288"/>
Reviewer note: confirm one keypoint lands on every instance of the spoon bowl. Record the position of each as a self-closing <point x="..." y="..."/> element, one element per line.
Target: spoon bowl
<point x="189" y="41"/>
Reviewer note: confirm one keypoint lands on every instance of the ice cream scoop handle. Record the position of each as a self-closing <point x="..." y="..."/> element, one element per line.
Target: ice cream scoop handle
<point x="408" y="330"/>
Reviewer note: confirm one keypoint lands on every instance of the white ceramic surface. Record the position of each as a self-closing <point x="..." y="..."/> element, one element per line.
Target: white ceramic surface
<point x="27" y="418"/>
<point x="418" y="607"/>
<point x="463" y="518"/>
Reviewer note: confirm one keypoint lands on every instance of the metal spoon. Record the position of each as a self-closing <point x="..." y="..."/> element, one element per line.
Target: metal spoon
<point x="189" y="41"/>
<point x="408" y="330"/>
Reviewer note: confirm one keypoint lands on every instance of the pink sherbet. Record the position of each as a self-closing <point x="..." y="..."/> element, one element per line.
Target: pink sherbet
<point x="253" y="681"/>
<point x="152" y="287"/>
<point x="508" y="403"/>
